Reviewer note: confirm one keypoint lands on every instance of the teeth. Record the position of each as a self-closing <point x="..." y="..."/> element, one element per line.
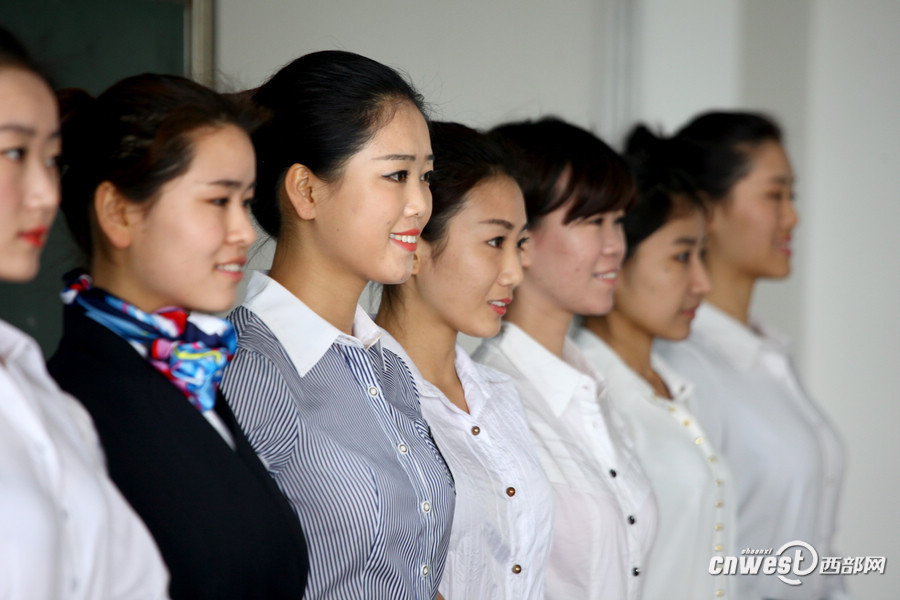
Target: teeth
<point x="407" y="239"/>
<point x="610" y="275"/>
<point x="230" y="267"/>
<point x="497" y="303"/>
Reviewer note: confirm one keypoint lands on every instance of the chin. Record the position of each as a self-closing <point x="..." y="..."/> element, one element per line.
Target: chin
<point x="19" y="273"/>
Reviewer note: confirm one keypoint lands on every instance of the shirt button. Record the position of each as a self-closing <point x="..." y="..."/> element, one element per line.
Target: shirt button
<point x="425" y="570"/>
<point x="631" y="520"/>
<point x="720" y="593"/>
<point x="687" y="423"/>
<point x="719" y="504"/>
<point x="712" y="459"/>
<point x="698" y="441"/>
<point x="719" y="527"/>
<point x="510" y="491"/>
<point x="517" y="569"/>
<point x="612" y="473"/>
<point x="373" y="391"/>
<point x="476" y="430"/>
<point x="426" y="507"/>
<point x="402" y="448"/>
<point x="719" y="483"/>
<point x="718" y="547"/>
<point x="635" y="571"/>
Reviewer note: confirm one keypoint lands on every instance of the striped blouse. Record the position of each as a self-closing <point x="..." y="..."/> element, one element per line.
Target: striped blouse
<point x="336" y="419"/>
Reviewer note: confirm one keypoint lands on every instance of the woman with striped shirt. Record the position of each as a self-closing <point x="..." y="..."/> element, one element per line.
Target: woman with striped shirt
<point x="464" y="272"/>
<point x="344" y="163"/>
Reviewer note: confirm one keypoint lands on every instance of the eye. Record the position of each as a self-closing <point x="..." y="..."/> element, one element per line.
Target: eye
<point x="497" y="242"/>
<point x="398" y="176"/>
<point x="15" y="154"/>
<point x="219" y="201"/>
<point x="521" y="243"/>
<point x="683" y="257"/>
<point x="246" y="203"/>
<point x="52" y="162"/>
<point x="426" y="177"/>
<point x="620" y="220"/>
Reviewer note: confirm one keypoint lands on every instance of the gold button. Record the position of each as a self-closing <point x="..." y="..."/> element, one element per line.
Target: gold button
<point x="719" y="527"/>
<point x="476" y="430"/>
<point x="720" y="593"/>
<point x="517" y="569"/>
<point x="687" y="423"/>
<point x="719" y="483"/>
<point x="718" y="547"/>
<point x="672" y="409"/>
<point x="698" y="441"/>
<point x="510" y="491"/>
<point x="719" y="504"/>
<point x="712" y="459"/>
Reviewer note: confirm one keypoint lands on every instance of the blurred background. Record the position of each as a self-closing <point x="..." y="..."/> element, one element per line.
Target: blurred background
<point x="828" y="70"/>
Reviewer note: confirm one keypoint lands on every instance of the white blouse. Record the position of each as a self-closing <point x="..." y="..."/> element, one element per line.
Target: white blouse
<point x="500" y="538"/>
<point x="691" y="481"/>
<point x="606" y="514"/>
<point x="785" y="456"/>
<point x="65" y="530"/>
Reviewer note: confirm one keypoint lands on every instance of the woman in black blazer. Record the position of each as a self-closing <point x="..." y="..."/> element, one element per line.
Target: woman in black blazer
<point x="158" y="173"/>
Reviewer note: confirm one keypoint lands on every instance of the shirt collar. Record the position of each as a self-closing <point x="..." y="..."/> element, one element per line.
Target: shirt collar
<point x="556" y="380"/>
<point x="304" y="334"/>
<point x="739" y="344"/>
<point x="598" y="352"/>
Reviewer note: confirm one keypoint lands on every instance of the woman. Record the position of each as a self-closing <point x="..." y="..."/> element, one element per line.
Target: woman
<point x="344" y="164"/>
<point x="786" y="457"/>
<point x="466" y="265"/>
<point x="576" y="189"/>
<point x="661" y="284"/>
<point x="65" y="531"/>
<point x="159" y="174"/>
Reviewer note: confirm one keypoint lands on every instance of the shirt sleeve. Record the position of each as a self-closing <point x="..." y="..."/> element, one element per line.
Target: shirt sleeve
<point x="264" y="406"/>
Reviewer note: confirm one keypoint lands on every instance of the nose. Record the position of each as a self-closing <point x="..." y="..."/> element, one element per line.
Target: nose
<point x="700" y="281"/>
<point x="419" y="203"/>
<point x="612" y="239"/>
<point x="240" y="229"/>
<point x="511" y="270"/>
<point x="789" y="215"/>
<point x="42" y="185"/>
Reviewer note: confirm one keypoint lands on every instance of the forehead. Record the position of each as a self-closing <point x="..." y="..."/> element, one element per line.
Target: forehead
<point x="769" y="162"/>
<point x="404" y="132"/>
<point x="26" y="101"/>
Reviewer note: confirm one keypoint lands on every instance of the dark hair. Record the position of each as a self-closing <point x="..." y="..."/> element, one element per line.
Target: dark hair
<point x="13" y="54"/>
<point x="717" y="148"/>
<point x="137" y="135"/>
<point x="665" y="191"/>
<point x="322" y="108"/>
<point x="599" y="179"/>
<point x="464" y="158"/>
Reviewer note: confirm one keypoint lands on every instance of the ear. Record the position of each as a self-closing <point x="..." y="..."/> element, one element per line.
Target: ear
<point x="298" y="187"/>
<point x="714" y="218"/>
<point x="116" y="215"/>
<point x="422" y="253"/>
<point x="528" y="252"/>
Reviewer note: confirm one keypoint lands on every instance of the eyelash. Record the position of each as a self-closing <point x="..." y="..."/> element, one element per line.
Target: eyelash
<point x="497" y="242"/>
<point x="403" y="176"/>
<point x="18" y="154"/>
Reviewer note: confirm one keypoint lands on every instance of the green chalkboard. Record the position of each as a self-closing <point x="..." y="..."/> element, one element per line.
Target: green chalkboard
<point x="89" y="44"/>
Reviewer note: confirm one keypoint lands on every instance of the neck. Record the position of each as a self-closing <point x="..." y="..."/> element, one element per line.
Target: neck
<point x="109" y="275"/>
<point x="428" y="340"/>
<point x="632" y="344"/>
<point x="329" y="292"/>
<point x="540" y="318"/>
<point x="732" y="291"/>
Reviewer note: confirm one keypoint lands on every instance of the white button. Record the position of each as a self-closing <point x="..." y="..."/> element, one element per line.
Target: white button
<point x="373" y="391"/>
<point x="426" y="506"/>
<point x="402" y="448"/>
<point x="425" y="570"/>
<point x="698" y="441"/>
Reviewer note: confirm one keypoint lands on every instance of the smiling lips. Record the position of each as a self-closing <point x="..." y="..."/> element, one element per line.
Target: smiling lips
<point x="500" y="306"/>
<point x="406" y="239"/>
<point x="36" y="237"/>
<point x="608" y="276"/>
<point x="234" y="268"/>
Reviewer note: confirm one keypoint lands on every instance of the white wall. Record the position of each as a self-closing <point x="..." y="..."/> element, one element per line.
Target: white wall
<point x="827" y="69"/>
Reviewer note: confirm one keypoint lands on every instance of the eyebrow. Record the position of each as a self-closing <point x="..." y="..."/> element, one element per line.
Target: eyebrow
<point x="783" y="179"/>
<point x="406" y="157"/>
<point x="25" y="130"/>
<point x="686" y="241"/>
<point x="231" y="184"/>
<point x="502" y="223"/>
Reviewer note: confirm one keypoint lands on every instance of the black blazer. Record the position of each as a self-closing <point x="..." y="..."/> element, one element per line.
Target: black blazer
<point x="223" y="527"/>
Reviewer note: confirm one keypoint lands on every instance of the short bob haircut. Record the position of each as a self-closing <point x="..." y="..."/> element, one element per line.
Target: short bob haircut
<point x="553" y="152"/>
